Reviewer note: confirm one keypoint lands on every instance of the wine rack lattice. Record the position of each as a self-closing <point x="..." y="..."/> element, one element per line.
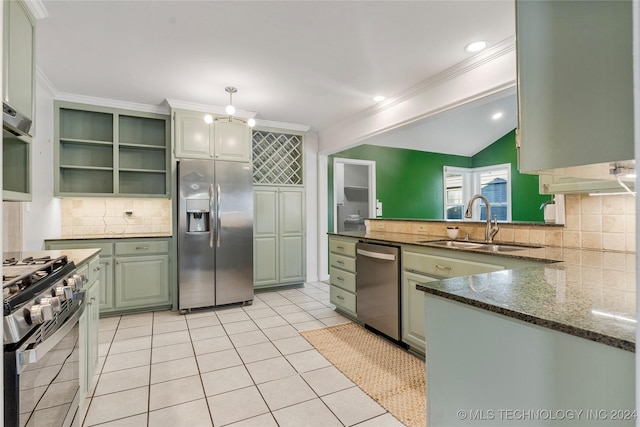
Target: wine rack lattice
<point x="277" y="158"/>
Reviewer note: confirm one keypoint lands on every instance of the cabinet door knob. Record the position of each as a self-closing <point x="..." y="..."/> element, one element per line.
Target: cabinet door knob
<point x="340" y="297"/>
<point x="443" y="267"/>
<point x="96" y="269"/>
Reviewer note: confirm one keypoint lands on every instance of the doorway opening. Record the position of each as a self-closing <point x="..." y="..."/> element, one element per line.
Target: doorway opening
<point x="354" y="193"/>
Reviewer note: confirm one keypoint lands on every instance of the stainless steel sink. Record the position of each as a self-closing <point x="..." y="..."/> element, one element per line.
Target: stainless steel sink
<point x="494" y="247"/>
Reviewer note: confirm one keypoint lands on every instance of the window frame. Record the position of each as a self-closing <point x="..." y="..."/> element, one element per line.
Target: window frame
<point x="471" y="185"/>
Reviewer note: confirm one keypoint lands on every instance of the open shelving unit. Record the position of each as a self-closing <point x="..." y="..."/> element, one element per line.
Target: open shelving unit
<point x="103" y="151"/>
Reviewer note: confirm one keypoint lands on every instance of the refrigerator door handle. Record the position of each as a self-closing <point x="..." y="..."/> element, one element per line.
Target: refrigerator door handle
<point x="219" y="198"/>
<point x="211" y="215"/>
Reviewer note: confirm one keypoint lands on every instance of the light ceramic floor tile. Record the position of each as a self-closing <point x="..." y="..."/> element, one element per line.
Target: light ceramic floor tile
<point x="103" y="348"/>
<point x="256" y="352"/>
<point x="307" y="326"/>
<point x="270" y="322"/>
<point x="270" y="369"/>
<point x="167" y="316"/>
<point x="265" y="312"/>
<point x="218" y="360"/>
<point x="132" y="344"/>
<point x="298" y="317"/>
<point x="174" y="392"/>
<point x="190" y="414"/>
<point x="171" y="352"/>
<point x="171" y="338"/>
<point x="300" y="299"/>
<point x="285" y="392"/>
<point x="132" y="359"/>
<point x="292" y="345"/>
<point x="118" y="405"/>
<point x="327" y="380"/>
<point x="334" y="320"/>
<point x="108" y="323"/>
<point x="257" y="305"/>
<point x="307" y="361"/>
<point x="122" y="380"/>
<point x="352" y="406"/>
<point x="200" y="334"/>
<point x="201" y="321"/>
<point x="134" y="421"/>
<point x="229" y="317"/>
<point x="225" y="380"/>
<point x="385" y="420"/>
<point x="166" y="327"/>
<point x="212" y="345"/>
<point x="280" y="332"/>
<point x="278" y="302"/>
<point x="173" y="369"/>
<point x="321" y="313"/>
<point x="134" y="320"/>
<point x="307" y="414"/>
<point x="265" y="420"/>
<point x="239" y="327"/>
<point x="288" y="309"/>
<point x="135" y="332"/>
<point x="313" y="305"/>
<point x="106" y="336"/>
<point x="236" y="406"/>
<point x="198" y="313"/>
<point x="248" y="338"/>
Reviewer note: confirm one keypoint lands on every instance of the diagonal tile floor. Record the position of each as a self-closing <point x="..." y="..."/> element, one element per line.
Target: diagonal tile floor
<point x="237" y="367"/>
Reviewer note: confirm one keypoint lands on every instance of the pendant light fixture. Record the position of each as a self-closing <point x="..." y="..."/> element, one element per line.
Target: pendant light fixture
<point x="230" y="110"/>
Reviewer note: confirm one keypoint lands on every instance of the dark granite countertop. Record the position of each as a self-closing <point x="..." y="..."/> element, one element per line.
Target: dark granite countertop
<point x="111" y="236"/>
<point x="588" y="293"/>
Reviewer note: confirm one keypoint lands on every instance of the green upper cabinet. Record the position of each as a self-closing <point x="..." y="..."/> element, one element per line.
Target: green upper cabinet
<point x="220" y="140"/>
<point x="18" y="54"/>
<point x="575" y="80"/>
<point x="103" y="151"/>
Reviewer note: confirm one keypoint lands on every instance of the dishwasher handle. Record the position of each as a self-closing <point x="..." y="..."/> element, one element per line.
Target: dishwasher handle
<point x="376" y="255"/>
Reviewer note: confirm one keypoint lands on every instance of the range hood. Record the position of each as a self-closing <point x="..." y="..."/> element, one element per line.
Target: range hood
<point x="14" y="122"/>
<point x="615" y="177"/>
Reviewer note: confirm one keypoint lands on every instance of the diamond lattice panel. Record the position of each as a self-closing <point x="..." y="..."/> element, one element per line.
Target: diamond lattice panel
<point x="277" y="158"/>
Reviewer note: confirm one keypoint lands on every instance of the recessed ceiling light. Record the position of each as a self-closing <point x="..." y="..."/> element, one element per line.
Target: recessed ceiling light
<point x="497" y="116"/>
<point x="476" y="46"/>
<point x="378" y="98"/>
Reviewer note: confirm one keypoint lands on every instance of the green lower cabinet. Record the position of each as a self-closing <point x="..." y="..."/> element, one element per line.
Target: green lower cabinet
<point x="88" y="334"/>
<point x="413" y="310"/>
<point x="106" y="284"/>
<point x="265" y="268"/>
<point x="142" y="281"/>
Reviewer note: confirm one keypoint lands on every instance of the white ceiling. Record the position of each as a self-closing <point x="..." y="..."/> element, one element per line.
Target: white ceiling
<point x="304" y="62"/>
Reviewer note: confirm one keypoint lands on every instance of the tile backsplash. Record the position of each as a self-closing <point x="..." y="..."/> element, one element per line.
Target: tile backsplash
<point x="592" y="222"/>
<point x="104" y="217"/>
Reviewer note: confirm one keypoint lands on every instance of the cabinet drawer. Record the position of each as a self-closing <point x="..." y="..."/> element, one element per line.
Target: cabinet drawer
<point x="343" y="262"/>
<point x="343" y="299"/>
<point x="82" y="244"/>
<point x="94" y="270"/>
<point x="444" y="267"/>
<point x="343" y="247"/>
<point x="343" y="279"/>
<point x="142" y="247"/>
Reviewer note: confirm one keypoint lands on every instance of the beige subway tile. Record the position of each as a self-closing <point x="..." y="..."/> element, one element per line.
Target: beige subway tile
<point x="67" y="231"/>
<point x="591" y="222"/>
<point x="506" y="234"/>
<point x="115" y="220"/>
<point x="613" y="223"/>
<point x="629" y="205"/>
<point x="66" y="220"/>
<point x="615" y="260"/>
<point x="572" y="256"/>
<point x="613" y="205"/>
<point x="115" y="229"/>
<point x="592" y="258"/>
<point x="553" y="237"/>
<point x="536" y="236"/>
<point x="572" y="204"/>
<point x="78" y="220"/>
<point x="77" y="203"/>
<point x="591" y="240"/>
<point x="630" y="223"/>
<point x="613" y="241"/>
<point x="573" y="222"/>
<point x="591" y="205"/>
<point x="631" y="261"/>
<point x="630" y="239"/>
<point x="571" y="239"/>
<point x="416" y="227"/>
<point x="521" y="235"/>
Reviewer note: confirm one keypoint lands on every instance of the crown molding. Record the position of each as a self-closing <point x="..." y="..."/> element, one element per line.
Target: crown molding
<point x="492" y="53"/>
<point x="204" y="108"/>
<point x="112" y="103"/>
<point x="42" y="78"/>
<point x="36" y="8"/>
<point x="282" y="125"/>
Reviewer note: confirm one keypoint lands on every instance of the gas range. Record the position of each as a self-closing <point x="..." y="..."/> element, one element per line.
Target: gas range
<point x="38" y="291"/>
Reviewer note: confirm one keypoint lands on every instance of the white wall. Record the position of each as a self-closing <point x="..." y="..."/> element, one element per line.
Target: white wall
<point x="41" y="217"/>
<point x="311" y="203"/>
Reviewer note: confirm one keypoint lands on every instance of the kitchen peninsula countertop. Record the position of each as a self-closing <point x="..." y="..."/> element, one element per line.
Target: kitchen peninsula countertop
<point x="111" y="236"/>
<point x="78" y="256"/>
<point x="586" y="293"/>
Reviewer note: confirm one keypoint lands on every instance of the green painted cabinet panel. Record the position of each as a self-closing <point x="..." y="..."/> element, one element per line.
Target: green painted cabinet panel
<point x="16" y="167"/>
<point x="102" y="151"/>
<point x="575" y="71"/>
<point x="342" y="274"/>
<point x="141" y="281"/>
<point x="105" y="296"/>
<point x="413" y="310"/>
<point x="279" y="238"/>
<point x="89" y="333"/>
<point x="19" y="53"/>
<point x="193" y="136"/>
<point x="232" y="141"/>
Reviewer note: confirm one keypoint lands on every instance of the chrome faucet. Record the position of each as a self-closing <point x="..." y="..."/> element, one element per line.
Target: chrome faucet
<point x="491" y="230"/>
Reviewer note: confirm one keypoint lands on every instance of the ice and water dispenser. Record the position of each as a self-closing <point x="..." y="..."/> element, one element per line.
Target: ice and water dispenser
<point x="198" y="215"/>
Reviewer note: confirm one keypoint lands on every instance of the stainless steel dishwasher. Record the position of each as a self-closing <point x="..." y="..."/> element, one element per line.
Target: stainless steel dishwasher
<point x="377" y="284"/>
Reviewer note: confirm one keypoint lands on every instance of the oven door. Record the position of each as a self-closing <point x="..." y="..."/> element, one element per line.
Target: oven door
<point x="48" y="379"/>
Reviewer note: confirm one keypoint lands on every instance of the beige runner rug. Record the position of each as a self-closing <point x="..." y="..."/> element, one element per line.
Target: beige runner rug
<point x="391" y="376"/>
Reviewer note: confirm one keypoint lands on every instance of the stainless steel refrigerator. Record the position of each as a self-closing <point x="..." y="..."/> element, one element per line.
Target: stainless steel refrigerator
<point x="215" y="233"/>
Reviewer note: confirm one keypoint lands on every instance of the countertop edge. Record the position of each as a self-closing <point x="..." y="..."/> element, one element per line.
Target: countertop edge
<point x="560" y="327"/>
<point x="111" y="237"/>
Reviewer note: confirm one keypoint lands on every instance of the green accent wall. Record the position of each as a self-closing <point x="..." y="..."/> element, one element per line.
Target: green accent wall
<point x="409" y="183"/>
<point x="525" y="199"/>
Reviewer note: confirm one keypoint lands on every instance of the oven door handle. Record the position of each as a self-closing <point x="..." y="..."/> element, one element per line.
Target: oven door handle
<point x="27" y="356"/>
